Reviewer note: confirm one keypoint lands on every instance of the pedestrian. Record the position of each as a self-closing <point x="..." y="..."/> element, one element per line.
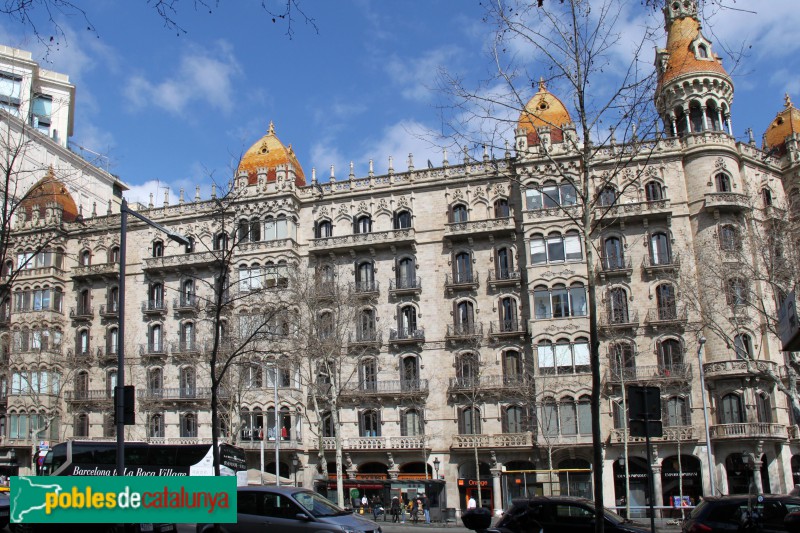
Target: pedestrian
<point x="395" y="508"/>
<point x="402" y="512"/>
<point x="415" y="508"/>
<point x="364" y="503"/>
<point x="376" y="507"/>
<point x="471" y="503"/>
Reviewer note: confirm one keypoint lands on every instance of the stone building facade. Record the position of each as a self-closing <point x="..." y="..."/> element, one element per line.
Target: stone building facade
<point x="473" y="331"/>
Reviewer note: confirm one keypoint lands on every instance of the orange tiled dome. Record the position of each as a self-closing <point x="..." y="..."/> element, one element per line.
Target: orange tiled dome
<point x="544" y="109"/>
<point x="682" y="59"/>
<point x="785" y="123"/>
<point x="269" y="152"/>
<point x="46" y="191"/>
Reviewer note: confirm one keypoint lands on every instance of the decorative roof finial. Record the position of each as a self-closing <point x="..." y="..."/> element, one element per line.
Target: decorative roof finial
<point x="542" y="86"/>
<point x="788" y="100"/>
<point x="271" y="128"/>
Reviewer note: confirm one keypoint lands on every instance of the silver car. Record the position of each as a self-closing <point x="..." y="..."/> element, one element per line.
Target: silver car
<point x="290" y="510"/>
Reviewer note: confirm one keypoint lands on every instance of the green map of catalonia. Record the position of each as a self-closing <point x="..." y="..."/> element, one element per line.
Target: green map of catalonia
<point x="26" y="492"/>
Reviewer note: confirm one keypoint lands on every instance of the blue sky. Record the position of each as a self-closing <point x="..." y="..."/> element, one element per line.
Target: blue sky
<point x="178" y="111"/>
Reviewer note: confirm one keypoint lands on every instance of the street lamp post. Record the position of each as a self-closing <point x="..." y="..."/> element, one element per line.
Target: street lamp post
<point x="120" y="386"/>
<point x="436" y="464"/>
<point x="295" y="463"/>
<point x="700" y="342"/>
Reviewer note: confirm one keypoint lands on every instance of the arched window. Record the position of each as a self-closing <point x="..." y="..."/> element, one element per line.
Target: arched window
<point x="653" y="191"/>
<point x="556" y="248"/>
<point x="508" y="314"/>
<point x="584" y="415"/>
<point x="469" y="421"/>
<point x="82" y="343"/>
<point x="618" y="306"/>
<point x="155" y="382"/>
<point x="743" y="346"/>
<point x="670" y="356"/>
<point x="766" y="197"/>
<point x="368" y="374"/>
<point x="722" y="182"/>
<point x="550" y="195"/>
<point x="569" y="196"/>
<point x="465" y="317"/>
<point x="677" y="412"/>
<point x="501" y="209"/>
<point x="467" y="370"/>
<point x="406" y="273"/>
<point x="459" y="213"/>
<point x="81" y="425"/>
<point x="366" y="325"/>
<point x="86" y="258"/>
<point x="189" y="246"/>
<point x="188" y="423"/>
<point x="82" y="385"/>
<point x="623" y="361"/>
<point x="613" y="254"/>
<point x="729" y="238"/>
<point x="702" y="51"/>
<point x="731" y="409"/>
<point x="607" y="196"/>
<point x="255" y="230"/>
<point x="156" y="341"/>
<point x="328" y="427"/>
<point x="325" y="325"/>
<point x="323" y="229"/>
<point x="84" y="302"/>
<point x="665" y="302"/>
<point x="680" y="122"/>
<point x="156" y="294"/>
<point x="187" y="293"/>
<point x="549" y="417"/>
<point x="411" y="423"/>
<point x="369" y="422"/>
<point x="736" y="292"/>
<point x="696" y="117"/>
<point x="462" y="268"/>
<point x="402" y="220"/>
<point x="158" y="248"/>
<point x="763" y="408"/>
<point x="362" y="224"/>
<point x="660" y="250"/>
<point x="156" y="426"/>
<point x="187" y="336"/>
<point x="365" y="277"/>
<point x="504" y="263"/>
<point x="512" y="368"/>
<point x="409" y="373"/>
<point x="113" y="255"/>
<point x="407" y="319"/>
<point x="253" y="377"/>
<point x="712" y="116"/>
<point x="567" y="415"/>
<point x="514" y="420"/>
<point x="112" y="343"/>
<point x="221" y="241"/>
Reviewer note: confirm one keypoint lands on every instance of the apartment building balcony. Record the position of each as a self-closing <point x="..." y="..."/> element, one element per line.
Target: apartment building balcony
<point x="613" y="267"/>
<point x="462" y="281"/>
<point x="737" y="368"/>
<point x="417" y="442"/>
<point x="670" y="434"/>
<point x="494" y="441"/>
<point x="406" y="336"/>
<point x="360" y="241"/>
<point x="175" y="394"/>
<point x="563" y="440"/>
<point x="390" y="388"/>
<point x="109" y="311"/>
<point x="748" y="430"/>
<point x="649" y="373"/>
<point x="186" y="350"/>
<point x="487" y="383"/>
<point x="178" y="440"/>
<point x="550" y="214"/>
<point x="154" y="307"/>
<point x="81" y="313"/>
<point x="365" y="289"/>
<point x="181" y="262"/>
<point x="661" y="265"/>
<point x="102" y="271"/>
<point x="80" y="356"/>
<point x="152" y="350"/>
<point x="618" y="320"/>
<point x="107" y="355"/>
<point x="634" y="211"/>
<point x="255" y="443"/>
<point x="726" y="202"/>
<point x="364" y="339"/>
<point x="50" y="272"/>
<point x="89" y="396"/>
<point x="674" y="316"/>
<point x="503" y="278"/>
<point x="267" y="245"/>
<point x="464" y="332"/>
<point x="508" y="329"/>
<point x="405" y="286"/>
<point x="45" y="315"/>
<point x="472" y="229"/>
<point x="187" y="303"/>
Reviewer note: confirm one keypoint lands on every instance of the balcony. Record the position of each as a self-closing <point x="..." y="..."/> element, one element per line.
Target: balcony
<point x="107" y="356"/>
<point x="478" y="228"/>
<point x="464" y="332"/>
<point x="392" y="388"/>
<point x="548" y="214"/>
<point x="86" y="396"/>
<point x="503" y="278"/>
<point x="462" y="281"/>
<point x="650" y="373"/>
<point x="726" y="202"/>
<point x="737" y="368"/>
<point x="405" y="286"/>
<point x="187" y="303"/>
<point x="618" y="320"/>
<point x="748" y="430"/>
<point x="614" y="266"/>
<point x="670" y="264"/>
<point x="254" y="443"/>
<point x="176" y="394"/>
<point x="670" y="434"/>
<point x="154" y="307"/>
<point x="416" y="442"/>
<point x="186" y="350"/>
<point x="485" y="383"/>
<point x="667" y="316"/>
<point x="81" y="313"/>
<point x="406" y="336"/>
<point x="152" y="350"/>
<point x="177" y="263"/>
<point x="109" y="311"/>
<point x="508" y="329"/>
<point x="53" y="272"/>
<point x="635" y="211"/>
<point x="360" y="241"/>
<point x="495" y="441"/>
<point x="107" y="271"/>
<point x="79" y="356"/>
<point x="794" y="433"/>
<point x="267" y="245"/>
<point x="364" y="339"/>
<point x="365" y="289"/>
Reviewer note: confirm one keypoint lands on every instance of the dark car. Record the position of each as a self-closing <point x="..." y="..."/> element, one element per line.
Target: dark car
<point x="558" y="514"/>
<point x="290" y="510"/>
<point x="730" y="513"/>
<point x="4" y="509"/>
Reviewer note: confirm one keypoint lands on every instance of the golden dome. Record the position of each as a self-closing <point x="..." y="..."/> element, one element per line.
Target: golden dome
<point x="786" y="122"/>
<point x="49" y="190"/>
<point x="544" y="109"/>
<point x="682" y="59"/>
<point x="268" y="153"/>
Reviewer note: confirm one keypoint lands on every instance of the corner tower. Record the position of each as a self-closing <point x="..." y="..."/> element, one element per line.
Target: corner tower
<point x="694" y="92"/>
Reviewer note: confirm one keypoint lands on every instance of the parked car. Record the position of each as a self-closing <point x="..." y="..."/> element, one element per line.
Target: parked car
<point x="731" y="513"/>
<point x="292" y="509"/>
<point x="4" y="509"/>
<point x="557" y="514"/>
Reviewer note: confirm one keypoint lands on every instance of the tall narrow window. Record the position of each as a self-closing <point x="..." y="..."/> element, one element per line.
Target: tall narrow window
<point x="568" y="419"/>
<point x="158" y="248"/>
<point x="665" y="300"/>
<point x="508" y="314"/>
<point x="743" y="346"/>
<point x="188" y="382"/>
<point x="465" y="317"/>
<point x="188" y="425"/>
<point x="731" y="411"/>
<point x="660" y="249"/>
<point x="409" y="369"/>
<point x="613" y="257"/>
<point x="512" y="368"/>
<point x="411" y="424"/>
<point x="369" y="422"/>
<point x="369" y="375"/>
<point x="653" y="191"/>
<point x="722" y="182"/>
<point x="463" y="268"/>
<point x="677" y="412"/>
<point x="459" y="213"/>
<point x="408" y="321"/>
<point x="514" y="420"/>
<point x="617" y="306"/>
<point x="505" y="263"/>
<point x="501" y="209"/>
<point x="670" y="356"/>
<point x="763" y="408"/>
<point x="406" y="273"/>
<point x="363" y="224"/>
<point x="470" y="421"/>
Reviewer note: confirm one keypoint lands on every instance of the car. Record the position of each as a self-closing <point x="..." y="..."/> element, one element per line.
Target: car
<point x="556" y="514"/>
<point x="729" y="513"/>
<point x="4" y="509"/>
<point x="290" y="509"/>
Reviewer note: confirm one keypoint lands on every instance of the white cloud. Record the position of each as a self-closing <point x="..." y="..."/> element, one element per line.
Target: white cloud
<point x="416" y="76"/>
<point x="203" y="75"/>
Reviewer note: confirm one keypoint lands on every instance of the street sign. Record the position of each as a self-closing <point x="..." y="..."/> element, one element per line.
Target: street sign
<point x="644" y="403"/>
<point x="638" y="428"/>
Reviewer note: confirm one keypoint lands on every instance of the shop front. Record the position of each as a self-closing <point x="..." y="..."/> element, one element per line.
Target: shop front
<point x="638" y="485"/>
<point x="520" y="481"/>
<point x="681" y="481"/>
<point x="468" y="488"/>
<point x="383" y="490"/>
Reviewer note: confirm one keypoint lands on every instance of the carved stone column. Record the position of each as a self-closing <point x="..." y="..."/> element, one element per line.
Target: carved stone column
<point x="496" y="493"/>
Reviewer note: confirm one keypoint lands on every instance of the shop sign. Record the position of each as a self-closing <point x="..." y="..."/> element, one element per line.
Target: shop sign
<point x="682" y="474"/>
<point x="462" y="482"/>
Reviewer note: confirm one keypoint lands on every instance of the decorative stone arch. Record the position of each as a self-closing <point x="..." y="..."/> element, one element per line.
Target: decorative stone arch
<point x="415" y="470"/>
<point x="372" y="470"/>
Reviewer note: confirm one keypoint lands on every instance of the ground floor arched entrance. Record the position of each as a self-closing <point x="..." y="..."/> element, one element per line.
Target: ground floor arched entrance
<point x="681" y="481"/>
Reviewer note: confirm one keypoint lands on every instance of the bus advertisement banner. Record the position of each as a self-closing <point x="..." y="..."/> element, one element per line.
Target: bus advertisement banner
<point x="117" y="500"/>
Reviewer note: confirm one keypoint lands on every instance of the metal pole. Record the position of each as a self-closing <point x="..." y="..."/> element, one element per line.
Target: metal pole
<point x="120" y="387"/>
<point x="701" y="341"/>
<point x="649" y="463"/>
<point x="277" y="427"/>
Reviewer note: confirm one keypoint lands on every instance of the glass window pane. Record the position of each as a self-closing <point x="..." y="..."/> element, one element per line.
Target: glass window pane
<point x="533" y="199"/>
<point x="538" y="252"/>
<point x="572" y="245"/>
<point x="555" y="248"/>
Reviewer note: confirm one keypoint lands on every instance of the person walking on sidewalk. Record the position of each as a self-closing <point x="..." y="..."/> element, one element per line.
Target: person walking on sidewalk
<point x="426" y="509"/>
<point x="395" y="509"/>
